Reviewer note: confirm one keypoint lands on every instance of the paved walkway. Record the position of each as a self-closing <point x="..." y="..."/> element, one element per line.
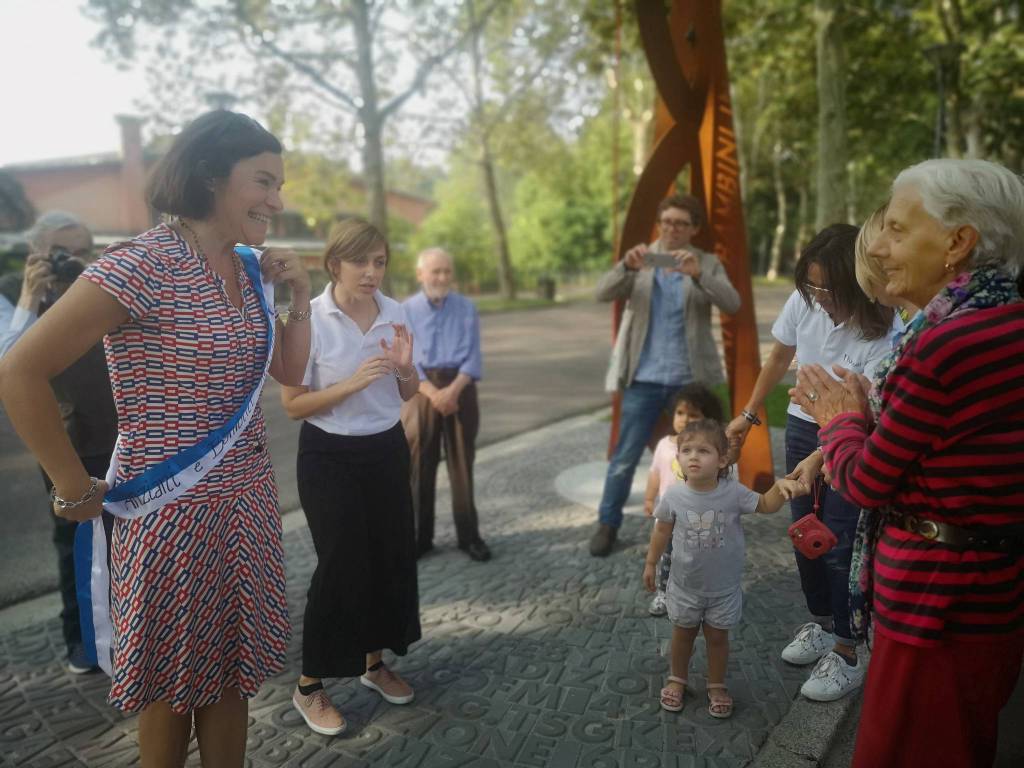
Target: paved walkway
<point x="544" y="656"/>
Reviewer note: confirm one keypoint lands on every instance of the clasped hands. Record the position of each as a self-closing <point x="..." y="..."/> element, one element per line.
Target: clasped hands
<point x="824" y="397"/>
<point x="445" y="400"/>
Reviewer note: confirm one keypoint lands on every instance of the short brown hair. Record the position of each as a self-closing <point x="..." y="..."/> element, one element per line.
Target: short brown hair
<point x="352" y="240"/>
<point x="687" y="203"/>
<point x="713" y="432"/>
<point x="205" y="150"/>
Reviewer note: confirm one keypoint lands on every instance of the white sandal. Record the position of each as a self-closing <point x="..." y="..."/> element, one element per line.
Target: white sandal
<point x="672" y="698"/>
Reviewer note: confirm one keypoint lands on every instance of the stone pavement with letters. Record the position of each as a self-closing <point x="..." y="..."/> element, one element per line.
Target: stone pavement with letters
<point x="544" y="656"/>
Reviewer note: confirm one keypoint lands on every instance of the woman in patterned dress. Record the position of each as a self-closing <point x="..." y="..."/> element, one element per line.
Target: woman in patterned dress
<point x="197" y="587"/>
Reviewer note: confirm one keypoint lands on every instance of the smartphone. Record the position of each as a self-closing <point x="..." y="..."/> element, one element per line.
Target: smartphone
<point x="652" y="259"/>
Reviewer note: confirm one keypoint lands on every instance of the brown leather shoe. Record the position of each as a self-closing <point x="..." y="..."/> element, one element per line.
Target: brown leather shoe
<point x="603" y="540"/>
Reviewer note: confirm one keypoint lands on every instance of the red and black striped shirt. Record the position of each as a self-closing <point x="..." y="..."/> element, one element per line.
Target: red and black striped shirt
<point x="949" y="446"/>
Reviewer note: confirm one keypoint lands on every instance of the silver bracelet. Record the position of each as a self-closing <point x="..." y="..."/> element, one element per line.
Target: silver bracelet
<point x="64" y="504"/>
<point x="298" y="315"/>
<point x="402" y="378"/>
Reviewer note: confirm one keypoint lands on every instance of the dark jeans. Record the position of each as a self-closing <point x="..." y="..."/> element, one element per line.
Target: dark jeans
<point x="642" y="404"/>
<point x="825" y="581"/>
<point x="64" y="543"/>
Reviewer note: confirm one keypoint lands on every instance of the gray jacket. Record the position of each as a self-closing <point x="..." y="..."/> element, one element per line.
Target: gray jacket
<point x="636" y="287"/>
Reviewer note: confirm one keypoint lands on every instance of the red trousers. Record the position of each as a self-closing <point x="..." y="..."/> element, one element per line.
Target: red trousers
<point x="935" y="707"/>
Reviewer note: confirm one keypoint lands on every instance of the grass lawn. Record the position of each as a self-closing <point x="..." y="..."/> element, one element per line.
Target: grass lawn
<point x="776" y="404"/>
<point x="489" y="303"/>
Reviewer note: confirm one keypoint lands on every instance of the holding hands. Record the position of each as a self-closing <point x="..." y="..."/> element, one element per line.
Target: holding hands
<point x="792" y="488"/>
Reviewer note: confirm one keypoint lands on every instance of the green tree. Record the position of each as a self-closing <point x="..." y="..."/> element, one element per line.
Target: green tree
<point x="344" y="53"/>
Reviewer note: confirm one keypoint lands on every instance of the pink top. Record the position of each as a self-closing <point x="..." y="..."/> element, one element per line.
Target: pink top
<point x="664" y="458"/>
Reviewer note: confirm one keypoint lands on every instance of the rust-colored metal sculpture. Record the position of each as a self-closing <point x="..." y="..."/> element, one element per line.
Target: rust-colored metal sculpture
<point x="685" y="48"/>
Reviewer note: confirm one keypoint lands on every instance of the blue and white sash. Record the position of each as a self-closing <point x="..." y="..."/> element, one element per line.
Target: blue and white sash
<point x="155" y="488"/>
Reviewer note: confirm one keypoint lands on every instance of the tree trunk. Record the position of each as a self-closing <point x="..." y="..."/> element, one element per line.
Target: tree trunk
<point x="373" y="125"/>
<point x="975" y="130"/>
<point x="832" y="149"/>
<point x="780" y="217"/>
<point x="801" y="215"/>
<point x="506" y="279"/>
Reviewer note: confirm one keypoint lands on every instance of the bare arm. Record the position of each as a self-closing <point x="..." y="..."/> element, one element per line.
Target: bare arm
<point x="651" y="492"/>
<point x="783" y="490"/>
<point x="291" y="348"/>
<point x="300" y="402"/>
<point x="659" y="540"/>
<point x="60" y="337"/>
<point x="775" y="367"/>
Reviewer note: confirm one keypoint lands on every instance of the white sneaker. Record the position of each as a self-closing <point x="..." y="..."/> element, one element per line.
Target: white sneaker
<point x="832" y="678"/>
<point x="810" y="644"/>
<point x="659" y="606"/>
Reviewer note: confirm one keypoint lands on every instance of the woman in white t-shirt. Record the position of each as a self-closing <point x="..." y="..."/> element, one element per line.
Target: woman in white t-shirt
<point x="829" y="321"/>
<point x="353" y="479"/>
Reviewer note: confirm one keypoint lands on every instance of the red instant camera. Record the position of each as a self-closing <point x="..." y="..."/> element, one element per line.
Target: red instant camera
<point x="811" y="537"/>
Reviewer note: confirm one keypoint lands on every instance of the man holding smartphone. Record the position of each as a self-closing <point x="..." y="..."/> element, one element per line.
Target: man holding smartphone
<point x="665" y="341"/>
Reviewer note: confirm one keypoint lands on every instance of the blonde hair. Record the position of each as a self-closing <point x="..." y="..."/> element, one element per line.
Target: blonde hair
<point x="352" y="240"/>
<point x="867" y="269"/>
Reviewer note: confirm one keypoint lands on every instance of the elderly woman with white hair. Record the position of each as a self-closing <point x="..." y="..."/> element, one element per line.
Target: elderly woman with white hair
<point x="945" y="460"/>
<point x="60" y="245"/>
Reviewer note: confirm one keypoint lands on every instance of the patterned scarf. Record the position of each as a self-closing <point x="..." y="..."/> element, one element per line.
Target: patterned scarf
<point x="983" y="288"/>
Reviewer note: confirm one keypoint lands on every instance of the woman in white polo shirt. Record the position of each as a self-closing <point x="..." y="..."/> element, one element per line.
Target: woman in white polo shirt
<point x="827" y="320"/>
<point x="353" y="479"/>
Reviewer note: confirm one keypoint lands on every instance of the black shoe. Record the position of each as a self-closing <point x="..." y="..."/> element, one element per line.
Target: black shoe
<point x="423" y="549"/>
<point x="78" y="662"/>
<point x="477" y="550"/>
<point x="603" y="540"/>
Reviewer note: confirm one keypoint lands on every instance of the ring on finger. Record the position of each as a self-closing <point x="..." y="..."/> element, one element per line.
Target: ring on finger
<point x="812" y="396"/>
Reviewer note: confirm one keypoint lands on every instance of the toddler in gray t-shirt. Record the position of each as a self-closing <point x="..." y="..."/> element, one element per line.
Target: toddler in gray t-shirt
<point x="701" y="514"/>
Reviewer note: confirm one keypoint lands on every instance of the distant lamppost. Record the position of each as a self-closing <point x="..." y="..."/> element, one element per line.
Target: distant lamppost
<point x="946" y="58"/>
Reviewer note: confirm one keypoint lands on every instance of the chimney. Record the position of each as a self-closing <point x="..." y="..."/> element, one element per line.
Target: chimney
<point x="134" y="211"/>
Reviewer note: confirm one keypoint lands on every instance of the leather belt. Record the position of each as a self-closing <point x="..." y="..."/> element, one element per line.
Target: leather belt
<point x="993" y="539"/>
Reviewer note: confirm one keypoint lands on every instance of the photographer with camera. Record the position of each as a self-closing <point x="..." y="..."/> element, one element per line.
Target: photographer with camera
<point x="664" y="341"/>
<point x="60" y="245"/>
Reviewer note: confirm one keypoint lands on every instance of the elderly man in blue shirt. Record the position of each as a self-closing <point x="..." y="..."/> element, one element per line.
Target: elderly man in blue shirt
<point x="446" y="329"/>
<point x="665" y="341"/>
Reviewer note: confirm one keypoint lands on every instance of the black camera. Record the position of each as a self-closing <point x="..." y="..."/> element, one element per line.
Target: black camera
<point x="64" y="267"/>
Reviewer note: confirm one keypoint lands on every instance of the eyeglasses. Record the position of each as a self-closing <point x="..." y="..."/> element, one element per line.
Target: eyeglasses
<point x="676" y="223"/>
<point x="817" y="291"/>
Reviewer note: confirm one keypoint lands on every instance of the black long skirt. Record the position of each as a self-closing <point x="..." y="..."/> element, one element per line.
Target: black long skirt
<point x="363" y="596"/>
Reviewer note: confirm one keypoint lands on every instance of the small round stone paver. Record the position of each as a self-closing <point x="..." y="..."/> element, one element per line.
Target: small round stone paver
<point x="542" y="657"/>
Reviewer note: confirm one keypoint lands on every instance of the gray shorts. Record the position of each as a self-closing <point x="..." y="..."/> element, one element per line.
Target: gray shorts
<point x="688" y="610"/>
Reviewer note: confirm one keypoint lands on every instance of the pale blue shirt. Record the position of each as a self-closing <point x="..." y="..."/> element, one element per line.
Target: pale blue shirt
<point x="13" y="325"/>
<point x="665" y="358"/>
<point x="445" y="335"/>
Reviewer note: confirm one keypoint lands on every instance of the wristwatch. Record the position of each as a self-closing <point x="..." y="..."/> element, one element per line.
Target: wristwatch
<point x="751" y="417"/>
